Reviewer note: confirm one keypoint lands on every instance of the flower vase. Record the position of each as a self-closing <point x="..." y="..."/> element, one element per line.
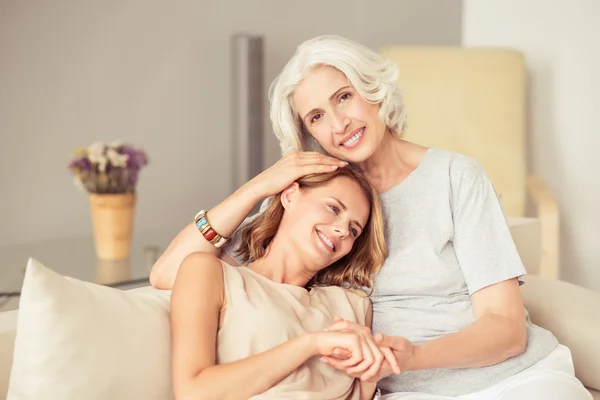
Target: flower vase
<point x="113" y="271"/>
<point x="112" y="220"/>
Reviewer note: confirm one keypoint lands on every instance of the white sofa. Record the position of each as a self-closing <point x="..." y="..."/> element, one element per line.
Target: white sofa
<point x="569" y="311"/>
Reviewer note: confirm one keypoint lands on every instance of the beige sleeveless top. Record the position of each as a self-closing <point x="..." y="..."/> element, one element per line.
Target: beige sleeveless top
<point x="260" y="314"/>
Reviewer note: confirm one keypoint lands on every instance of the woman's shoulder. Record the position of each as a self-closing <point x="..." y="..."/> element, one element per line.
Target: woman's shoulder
<point x="457" y="161"/>
<point x="201" y="265"/>
<point x="199" y="278"/>
<point x="460" y="167"/>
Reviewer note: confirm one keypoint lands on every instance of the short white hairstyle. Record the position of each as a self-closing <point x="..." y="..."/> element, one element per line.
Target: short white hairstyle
<point x="373" y="77"/>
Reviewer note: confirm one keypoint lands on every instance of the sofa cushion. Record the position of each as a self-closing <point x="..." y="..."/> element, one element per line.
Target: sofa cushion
<point x="80" y="340"/>
<point x="570" y="312"/>
<point x="8" y="322"/>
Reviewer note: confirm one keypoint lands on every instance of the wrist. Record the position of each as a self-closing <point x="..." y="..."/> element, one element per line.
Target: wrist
<point x="413" y="362"/>
<point x="368" y="391"/>
<point x="257" y="187"/>
<point x="309" y="343"/>
<point x="252" y="191"/>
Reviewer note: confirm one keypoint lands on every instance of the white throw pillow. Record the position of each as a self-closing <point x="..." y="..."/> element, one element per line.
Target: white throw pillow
<point x="79" y="340"/>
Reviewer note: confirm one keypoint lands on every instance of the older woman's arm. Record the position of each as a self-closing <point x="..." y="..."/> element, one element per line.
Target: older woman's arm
<point x="497" y="334"/>
<point x="196" y="302"/>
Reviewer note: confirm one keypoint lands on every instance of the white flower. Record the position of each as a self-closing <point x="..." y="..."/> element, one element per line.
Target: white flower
<point x="95" y="149"/>
<point x="97" y="158"/>
<point x="116" y="159"/>
<point x="102" y="164"/>
<point x="100" y="160"/>
<point x="116" y="143"/>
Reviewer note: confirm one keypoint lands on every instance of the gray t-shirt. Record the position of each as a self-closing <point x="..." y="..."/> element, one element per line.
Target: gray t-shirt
<point x="447" y="238"/>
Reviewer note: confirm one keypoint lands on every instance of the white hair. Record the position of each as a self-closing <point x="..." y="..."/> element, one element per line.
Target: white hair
<point x="373" y="77"/>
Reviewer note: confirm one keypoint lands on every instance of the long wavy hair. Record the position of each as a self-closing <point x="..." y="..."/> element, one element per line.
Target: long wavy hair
<point x="355" y="269"/>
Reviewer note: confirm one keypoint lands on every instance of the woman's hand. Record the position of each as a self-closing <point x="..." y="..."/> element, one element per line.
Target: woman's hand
<point x="403" y="349"/>
<point x="348" y="343"/>
<point x="378" y="363"/>
<point x="291" y="167"/>
<point x="384" y="370"/>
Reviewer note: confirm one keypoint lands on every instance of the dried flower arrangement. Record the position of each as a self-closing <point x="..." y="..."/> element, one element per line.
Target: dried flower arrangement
<point x="108" y="168"/>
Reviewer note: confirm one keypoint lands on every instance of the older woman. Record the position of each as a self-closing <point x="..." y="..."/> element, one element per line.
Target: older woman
<point x="447" y="299"/>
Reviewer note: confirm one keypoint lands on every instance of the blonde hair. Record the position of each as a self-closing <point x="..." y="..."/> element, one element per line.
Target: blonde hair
<point x="373" y="77"/>
<point x="355" y="268"/>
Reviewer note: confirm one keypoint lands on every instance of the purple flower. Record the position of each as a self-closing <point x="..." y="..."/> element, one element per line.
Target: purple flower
<point x="137" y="158"/>
<point x="80" y="164"/>
<point x="99" y="170"/>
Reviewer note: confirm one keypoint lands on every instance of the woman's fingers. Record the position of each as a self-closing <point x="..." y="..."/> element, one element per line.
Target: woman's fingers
<point x="356" y="349"/>
<point x="337" y="364"/>
<point x="291" y="167"/>
<point x="341" y="354"/>
<point x="316" y="165"/>
<point x="390" y="357"/>
<point x="316" y="161"/>
<point x="343" y="364"/>
<point x="388" y="366"/>
<point x="369" y="366"/>
<point x="359" y="355"/>
<point x="338" y="326"/>
<point x="388" y="352"/>
<point x="315" y="169"/>
<point x="318" y="158"/>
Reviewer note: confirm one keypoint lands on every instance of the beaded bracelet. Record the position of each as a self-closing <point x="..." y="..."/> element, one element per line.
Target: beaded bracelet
<point x="207" y="231"/>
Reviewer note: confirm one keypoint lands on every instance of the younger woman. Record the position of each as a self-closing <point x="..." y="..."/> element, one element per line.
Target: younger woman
<point x="258" y="332"/>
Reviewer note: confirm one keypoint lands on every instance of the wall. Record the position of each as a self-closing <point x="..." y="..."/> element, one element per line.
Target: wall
<point x="155" y="74"/>
<point x="561" y="43"/>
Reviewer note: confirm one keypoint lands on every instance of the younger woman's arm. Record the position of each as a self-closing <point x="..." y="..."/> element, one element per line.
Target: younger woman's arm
<point x="225" y="218"/>
<point x="228" y="215"/>
<point x="196" y="301"/>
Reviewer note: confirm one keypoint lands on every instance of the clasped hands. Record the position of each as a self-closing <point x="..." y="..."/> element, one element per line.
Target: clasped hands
<point x="353" y="349"/>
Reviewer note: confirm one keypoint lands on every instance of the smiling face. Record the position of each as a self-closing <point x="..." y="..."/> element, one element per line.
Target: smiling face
<point x="324" y="222"/>
<point x="333" y="112"/>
